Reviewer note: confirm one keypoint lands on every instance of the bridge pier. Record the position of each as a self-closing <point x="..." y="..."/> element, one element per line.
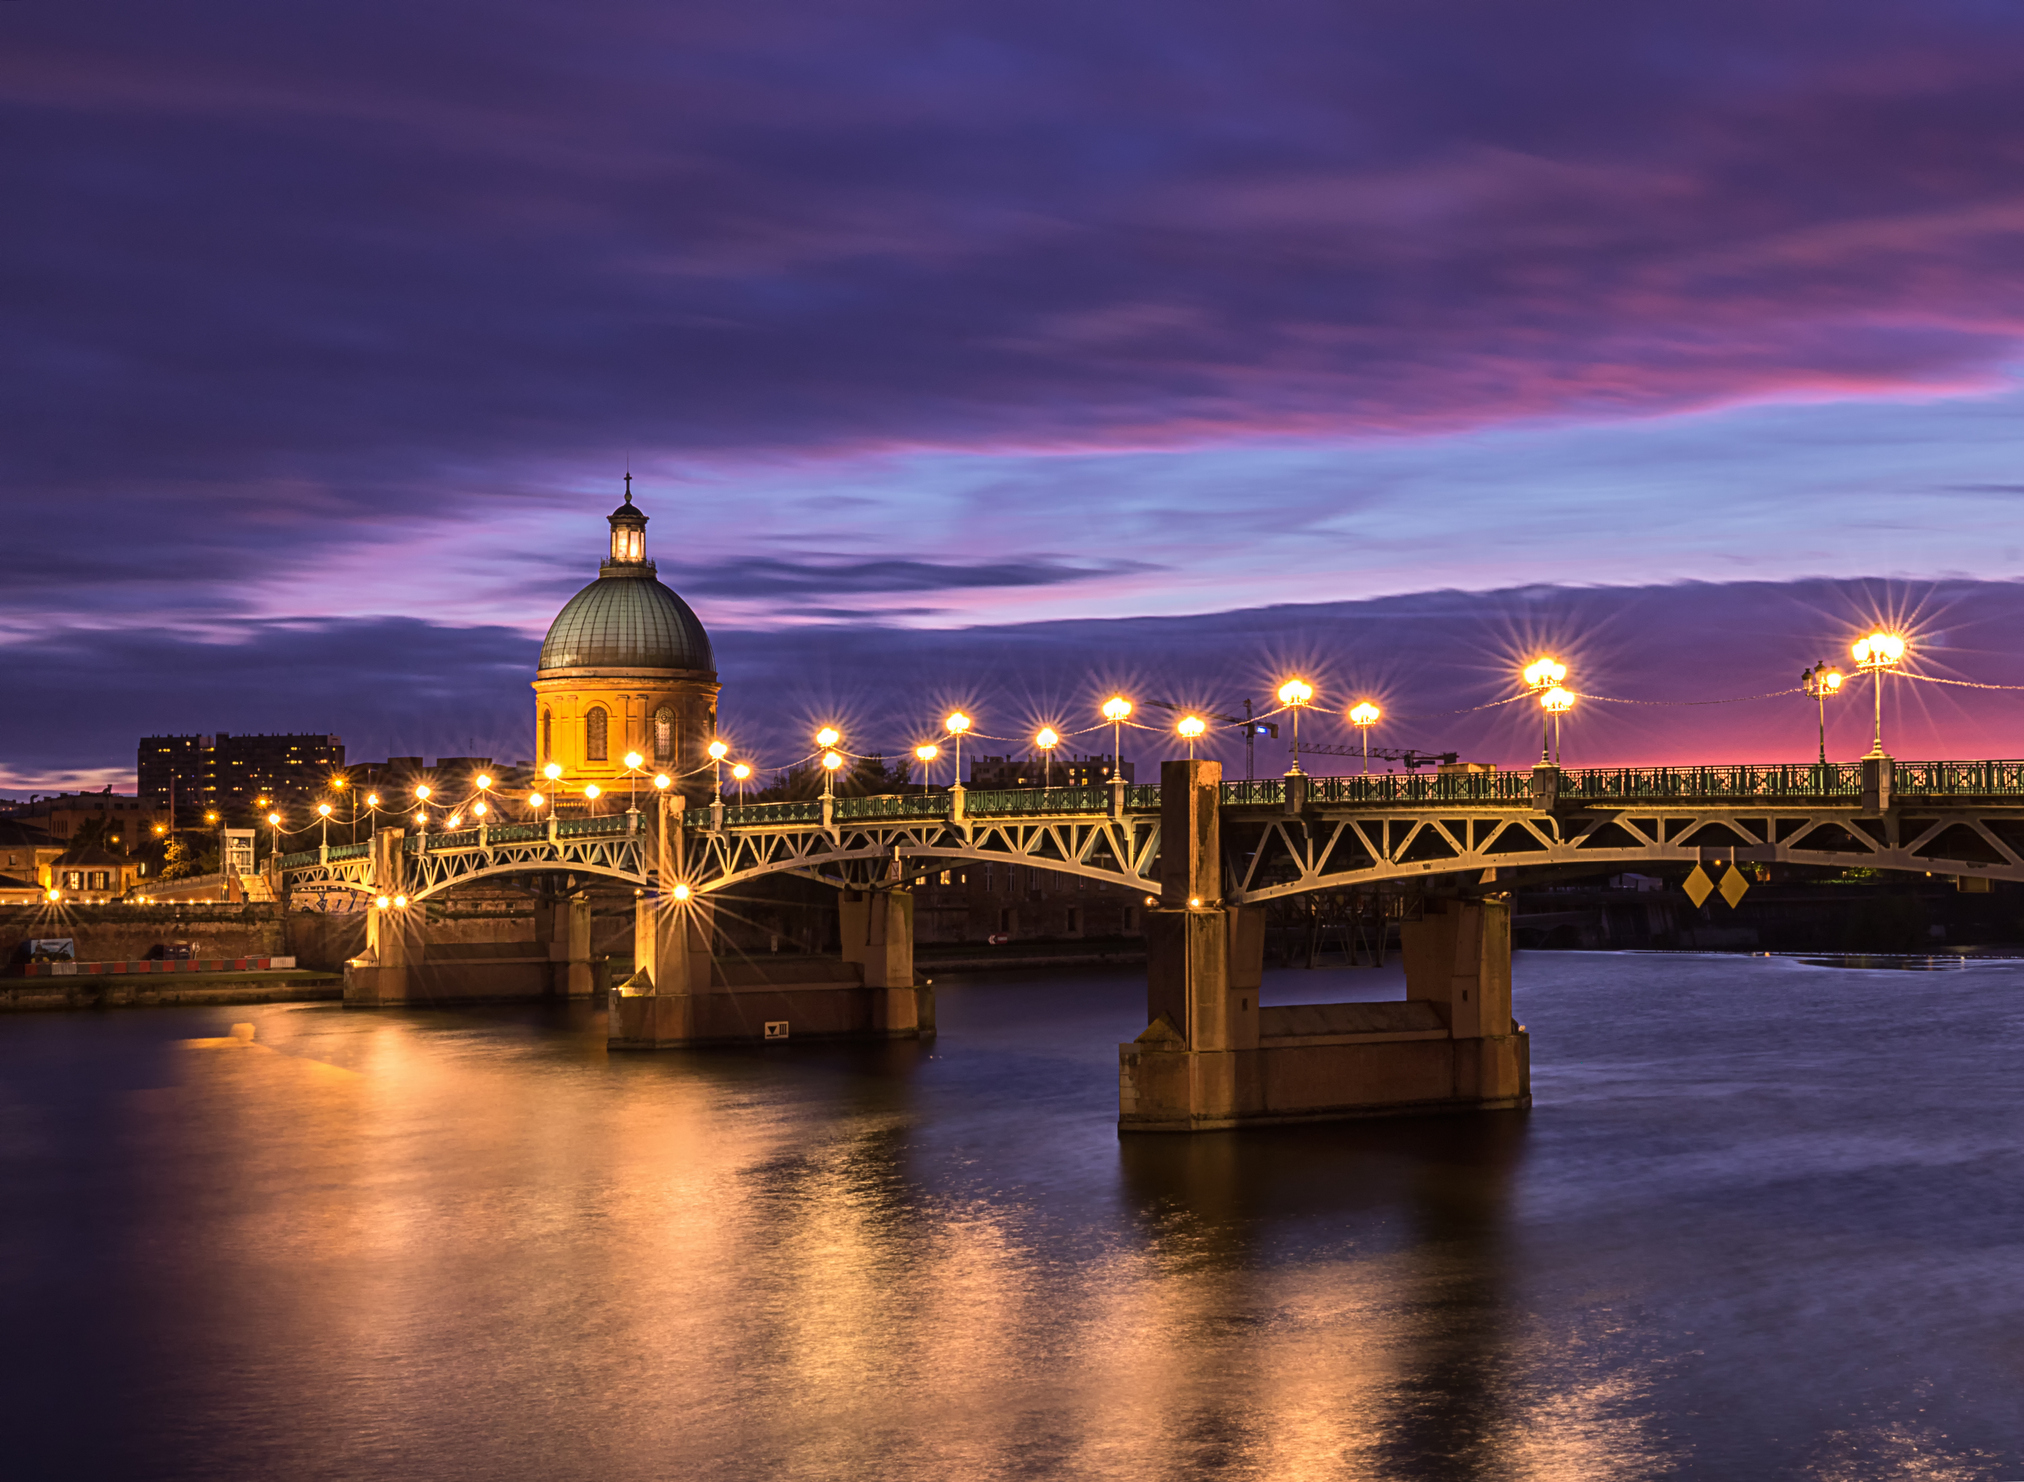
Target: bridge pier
<point x="562" y="934"/>
<point x="1212" y="1058"/>
<point x="381" y="974"/>
<point x="682" y="995"/>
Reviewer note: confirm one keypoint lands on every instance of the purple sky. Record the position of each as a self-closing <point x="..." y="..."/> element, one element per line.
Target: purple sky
<point x="327" y="332"/>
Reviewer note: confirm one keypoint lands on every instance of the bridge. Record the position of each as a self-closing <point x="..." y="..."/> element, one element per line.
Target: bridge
<point x="1282" y="836"/>
<point x="1209" y="855"/>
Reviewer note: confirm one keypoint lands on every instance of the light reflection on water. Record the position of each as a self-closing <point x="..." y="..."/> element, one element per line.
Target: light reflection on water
<point x="1762" y="1222"/>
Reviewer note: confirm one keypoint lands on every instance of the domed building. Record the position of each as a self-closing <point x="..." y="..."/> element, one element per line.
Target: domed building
<point x="626" y="667"/>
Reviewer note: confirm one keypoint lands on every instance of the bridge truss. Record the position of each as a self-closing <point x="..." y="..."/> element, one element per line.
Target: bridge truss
<point x="1963" y="819"/>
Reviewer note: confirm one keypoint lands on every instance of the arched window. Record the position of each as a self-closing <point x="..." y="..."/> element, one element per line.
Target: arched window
<point x="594" y="728"/>
<point x="547" y="734"/>
<point x="664" y="735"/>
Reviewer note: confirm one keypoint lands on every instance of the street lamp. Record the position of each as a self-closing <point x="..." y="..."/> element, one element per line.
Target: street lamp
<point x="1542" y="675"/>
<point x="1294" y="694"/>
<point x="1191" y="728"/>
<point x="1556" y="702"/>
<point x="1363" y="716"/>
<point x="739" y="772"/>
<point x="323" y="811"/>
<point x="534" y="801"/>
<point x="1047" y="740"/>
<point x="718" y="751"/>
<point x="1821" y="681"/>
<point x="1877" y="655"/>
<point x="956" y="723"/>
<point x="633" y="762"/>
<point x="592" y="792"/>
<point x="1117" y="710"/>
<point x="826" y="738"/>
<point x="274" y="845"/>
<point x="925" y="754"/>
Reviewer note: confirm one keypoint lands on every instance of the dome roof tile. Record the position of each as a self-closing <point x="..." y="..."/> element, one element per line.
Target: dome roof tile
<point x="629" y="622"/>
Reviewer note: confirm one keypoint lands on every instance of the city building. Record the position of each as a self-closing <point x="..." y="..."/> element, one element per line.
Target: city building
<point x="1039" y="771"/>
<point x="86" y="875"/>
<point x="26" y="854"/>
<point x="227" y="773"/>
<point x="127" y="820"/>
<point x="626" y="667"/>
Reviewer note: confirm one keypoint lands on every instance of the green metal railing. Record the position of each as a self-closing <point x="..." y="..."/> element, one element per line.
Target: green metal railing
<point x="1960" y="779"/>
<point x="1622" y="784"/>
<point x="516" y="833"/>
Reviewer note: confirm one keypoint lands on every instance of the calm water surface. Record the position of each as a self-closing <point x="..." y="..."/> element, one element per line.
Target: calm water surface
<point x="1766" y="1220"/>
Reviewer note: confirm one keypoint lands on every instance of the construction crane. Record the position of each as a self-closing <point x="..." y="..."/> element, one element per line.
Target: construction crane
<point x="1412" y="759"/>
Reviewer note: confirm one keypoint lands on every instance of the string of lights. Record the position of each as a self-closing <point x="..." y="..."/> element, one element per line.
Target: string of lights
<point x="1878" y="654"/>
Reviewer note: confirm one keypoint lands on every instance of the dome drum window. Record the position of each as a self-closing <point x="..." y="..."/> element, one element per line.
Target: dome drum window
<point x="596" y="735"/>
<point x="664" y="736"/>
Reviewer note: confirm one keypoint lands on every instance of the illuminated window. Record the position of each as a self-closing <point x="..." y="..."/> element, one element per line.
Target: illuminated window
<point x="547" y="734"/>
<point x="664" y="735"/>
<point x="595" y="726"/>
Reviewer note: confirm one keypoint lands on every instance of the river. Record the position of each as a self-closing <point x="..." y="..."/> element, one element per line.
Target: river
<point x="1765" y="1220"/>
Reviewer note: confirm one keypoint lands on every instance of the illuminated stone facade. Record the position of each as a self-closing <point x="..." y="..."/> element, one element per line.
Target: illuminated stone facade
<point x="626" y="668"/>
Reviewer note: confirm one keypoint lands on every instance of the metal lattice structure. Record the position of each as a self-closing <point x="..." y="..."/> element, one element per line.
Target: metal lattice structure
<point x="1281" y="837"/>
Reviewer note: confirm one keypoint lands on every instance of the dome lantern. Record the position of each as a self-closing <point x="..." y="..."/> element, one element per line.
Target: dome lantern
<point x="628" y="537"/>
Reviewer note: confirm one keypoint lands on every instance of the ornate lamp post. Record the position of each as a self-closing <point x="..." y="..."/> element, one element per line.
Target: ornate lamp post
<point x="1363" y="716"/>
<point x="1190" y="730"/>
<point x="323" y="815"/>
<point x="718" y="751"/>
<point x="633" y="762"/>
<point x="1047" y="740"/>
<point x="925" y="754"/>
<point x="1543" y="675"/>
<point x="739" y="772"/>
<point x="1117" y="710"/>
<point x="1556" y="702"/>
<point x="956" y="724"/>
<point x="1877" y="655"/>
<point x="827" y="738"/>
<point x="1821" y="681"/>
<point x="1294" y="694"/>
<point x="591" y="793"/>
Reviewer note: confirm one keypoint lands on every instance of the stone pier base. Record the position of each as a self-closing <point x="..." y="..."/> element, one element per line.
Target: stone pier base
<point x="1212" y="1057"/>
<point x="682" y="996"/>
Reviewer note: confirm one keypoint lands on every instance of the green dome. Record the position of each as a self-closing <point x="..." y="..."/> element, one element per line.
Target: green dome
<point x="626" y="622"/>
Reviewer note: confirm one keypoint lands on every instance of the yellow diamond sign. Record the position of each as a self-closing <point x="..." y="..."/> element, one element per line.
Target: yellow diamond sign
<point x="1733" y="886"/>
<point x="1699" y="886"/>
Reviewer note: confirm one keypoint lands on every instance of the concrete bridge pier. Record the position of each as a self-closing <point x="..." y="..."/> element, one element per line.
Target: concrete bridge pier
<point x="382" y="973"/>
<point x="681" y="994"/>
<point x="1212" y="1057"/>
<point x="877" y="931"/>
<point x="562" y="934"/>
